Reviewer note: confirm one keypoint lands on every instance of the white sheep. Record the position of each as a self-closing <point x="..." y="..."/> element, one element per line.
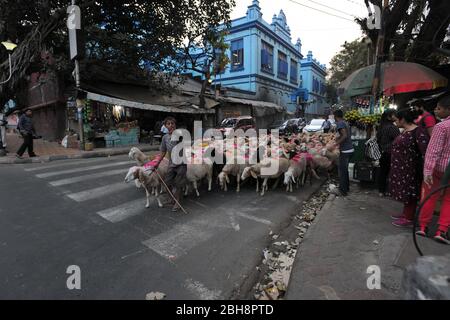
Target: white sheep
<point x="296" y="173"/>
<point x="196" y="172"/>
<point x="138" y="156"/>
<point x="232" y="169"/>
<point x="256" y="172"/>
<point x="150" y="181"/>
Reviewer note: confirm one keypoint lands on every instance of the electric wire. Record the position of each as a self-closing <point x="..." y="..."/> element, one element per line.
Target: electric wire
<point x="319" y="10"/>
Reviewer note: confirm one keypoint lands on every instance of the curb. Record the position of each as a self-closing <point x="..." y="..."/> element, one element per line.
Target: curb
<point x="86" y="155"/>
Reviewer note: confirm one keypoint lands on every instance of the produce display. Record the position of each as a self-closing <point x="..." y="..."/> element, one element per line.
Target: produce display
<point x="362" y="121"/>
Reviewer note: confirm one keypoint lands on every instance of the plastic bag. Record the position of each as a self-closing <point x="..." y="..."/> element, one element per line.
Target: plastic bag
<point x="64" y="141"/>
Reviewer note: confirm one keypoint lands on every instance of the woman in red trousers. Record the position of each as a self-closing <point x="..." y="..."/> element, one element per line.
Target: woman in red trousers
<point x="436" y="161"/>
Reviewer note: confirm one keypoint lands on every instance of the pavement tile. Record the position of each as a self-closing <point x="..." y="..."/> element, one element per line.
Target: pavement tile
<point x="344" y="240"/>
<point x="51" y="151"/>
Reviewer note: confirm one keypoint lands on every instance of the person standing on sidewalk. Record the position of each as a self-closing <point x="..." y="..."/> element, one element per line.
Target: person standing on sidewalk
<point x="385" y="136"/>
<point x="437" y="159"/>
<point x="346" y="151"/>
<point x="326" y="125"/>
<point x="425" y="119"/>
<point x="406" y="174"/>
<point x="3" y="124"/>
<point x="27" y="131"/>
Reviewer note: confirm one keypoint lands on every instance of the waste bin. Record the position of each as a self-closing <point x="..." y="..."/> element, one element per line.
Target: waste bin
<point x="359" y="146"/>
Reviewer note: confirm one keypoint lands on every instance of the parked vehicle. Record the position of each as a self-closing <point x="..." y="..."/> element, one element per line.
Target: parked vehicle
<point x="294" y="125"/>
<point x="315" y="125"/>
<point x="244" y="123"/>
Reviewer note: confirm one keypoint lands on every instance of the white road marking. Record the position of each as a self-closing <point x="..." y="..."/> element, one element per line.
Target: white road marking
<point x="87" y="177"/>
<point x="99" y="192"/>
<point x="124" y="211"/>
<point x="66" y="163"/>
<point x="201" y="291"/>
<point x="101" y="166"/>
<point x="181" y="238"/>
<point x="253" y="218"/>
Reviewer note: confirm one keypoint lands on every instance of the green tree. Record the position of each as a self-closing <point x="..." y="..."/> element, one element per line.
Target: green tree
<point x="352" y="57"/>
<point x="127" y="40"/>
<point x="415" y="30"/>
<point x="205" y="49"/>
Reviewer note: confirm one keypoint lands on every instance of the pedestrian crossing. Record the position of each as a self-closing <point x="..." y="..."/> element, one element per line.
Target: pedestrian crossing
<point x="100" y="185"/>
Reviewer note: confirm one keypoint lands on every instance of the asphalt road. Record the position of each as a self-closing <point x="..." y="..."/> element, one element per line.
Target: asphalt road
<point x="80" y="212"/>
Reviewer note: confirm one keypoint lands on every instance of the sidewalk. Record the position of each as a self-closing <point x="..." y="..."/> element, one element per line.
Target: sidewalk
<point x="50" y="151"/>
<point x="349" y="235"/>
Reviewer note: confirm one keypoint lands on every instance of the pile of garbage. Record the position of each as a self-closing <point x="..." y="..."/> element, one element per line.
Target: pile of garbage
<point x="279" y="257"/>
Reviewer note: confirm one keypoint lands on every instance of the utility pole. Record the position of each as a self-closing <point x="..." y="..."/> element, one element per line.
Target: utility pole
<point x="74" y="24"/>
<point x="380" y="55"/>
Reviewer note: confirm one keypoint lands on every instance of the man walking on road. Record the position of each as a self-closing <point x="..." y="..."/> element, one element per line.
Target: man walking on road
<point x="27" y="131"/>
<point x="176" y="175"/>
<point x="346" y="151"/>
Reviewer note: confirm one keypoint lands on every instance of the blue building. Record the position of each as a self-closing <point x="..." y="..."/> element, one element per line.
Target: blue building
<point x="312" y="81"/>
<point x="265" y="64"/>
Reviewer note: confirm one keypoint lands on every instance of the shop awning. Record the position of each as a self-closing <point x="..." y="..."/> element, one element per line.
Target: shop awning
<point x="142" y="98"/>
<point x="260" y="108"/>
<point x="192" y="109"/>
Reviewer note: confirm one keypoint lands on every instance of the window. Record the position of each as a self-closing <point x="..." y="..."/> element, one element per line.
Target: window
<point x="237" y="54"/>
<point x="218" y="67"/>
<point x="294" y="71"/>
<point x="266" y="57"/>
<point x="282" y="65"/>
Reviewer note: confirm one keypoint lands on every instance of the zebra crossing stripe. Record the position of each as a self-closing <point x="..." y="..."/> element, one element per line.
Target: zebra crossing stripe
<point x="124" y="211"/>
<point x="101" y="166"/>
<point x="63" y="182"/>
<point x="99" y="192"/>
<point x="177" y="241"/>
<point x="65" y="163"/>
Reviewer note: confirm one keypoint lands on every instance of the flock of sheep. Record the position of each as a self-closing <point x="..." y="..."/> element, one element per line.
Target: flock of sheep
<point x="298" y="156"/>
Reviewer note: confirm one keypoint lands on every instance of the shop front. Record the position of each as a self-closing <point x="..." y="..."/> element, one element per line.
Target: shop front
<point x="115" y="122"/>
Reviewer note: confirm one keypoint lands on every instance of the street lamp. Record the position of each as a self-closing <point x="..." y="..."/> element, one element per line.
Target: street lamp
<point x="10" y="47"/>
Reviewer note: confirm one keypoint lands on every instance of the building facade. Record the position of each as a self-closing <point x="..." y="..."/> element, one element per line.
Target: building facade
<point x="312" y="78"/>
<point x="265" y="64"/>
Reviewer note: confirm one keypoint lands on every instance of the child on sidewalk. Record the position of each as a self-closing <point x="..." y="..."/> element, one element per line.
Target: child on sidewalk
<point x="436" y="161"/>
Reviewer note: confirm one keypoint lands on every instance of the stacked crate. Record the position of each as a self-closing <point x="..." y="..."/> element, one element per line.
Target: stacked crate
<point x="112" y="139"/>
<point x="129" y="137"/>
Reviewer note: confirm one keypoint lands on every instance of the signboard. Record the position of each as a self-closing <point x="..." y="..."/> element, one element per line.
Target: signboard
<point x="74" y="24"/>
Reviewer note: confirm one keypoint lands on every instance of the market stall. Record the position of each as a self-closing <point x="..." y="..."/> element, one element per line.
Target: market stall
<point x="104" y="125"/>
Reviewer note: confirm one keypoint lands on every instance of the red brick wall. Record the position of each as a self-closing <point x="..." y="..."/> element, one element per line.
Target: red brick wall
<point x="50" y="121"/>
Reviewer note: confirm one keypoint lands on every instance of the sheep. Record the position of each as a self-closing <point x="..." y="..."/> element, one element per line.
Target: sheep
<point x="233" y="169"/>
<point x="256" y="172"/>
<point x="140" y="158"/>
<point x="137" y="155"/>
<point x="295" y="172"/>
<point x="147" y="181"/>
<point x="153" y="182"/>
<point x="196" y="172"/>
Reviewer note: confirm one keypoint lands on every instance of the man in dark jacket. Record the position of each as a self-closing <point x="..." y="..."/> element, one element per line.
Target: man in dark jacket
<point x="26" y="129"/>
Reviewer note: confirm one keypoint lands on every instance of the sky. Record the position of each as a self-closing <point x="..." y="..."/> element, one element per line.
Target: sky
<point x="321" y="33"/>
